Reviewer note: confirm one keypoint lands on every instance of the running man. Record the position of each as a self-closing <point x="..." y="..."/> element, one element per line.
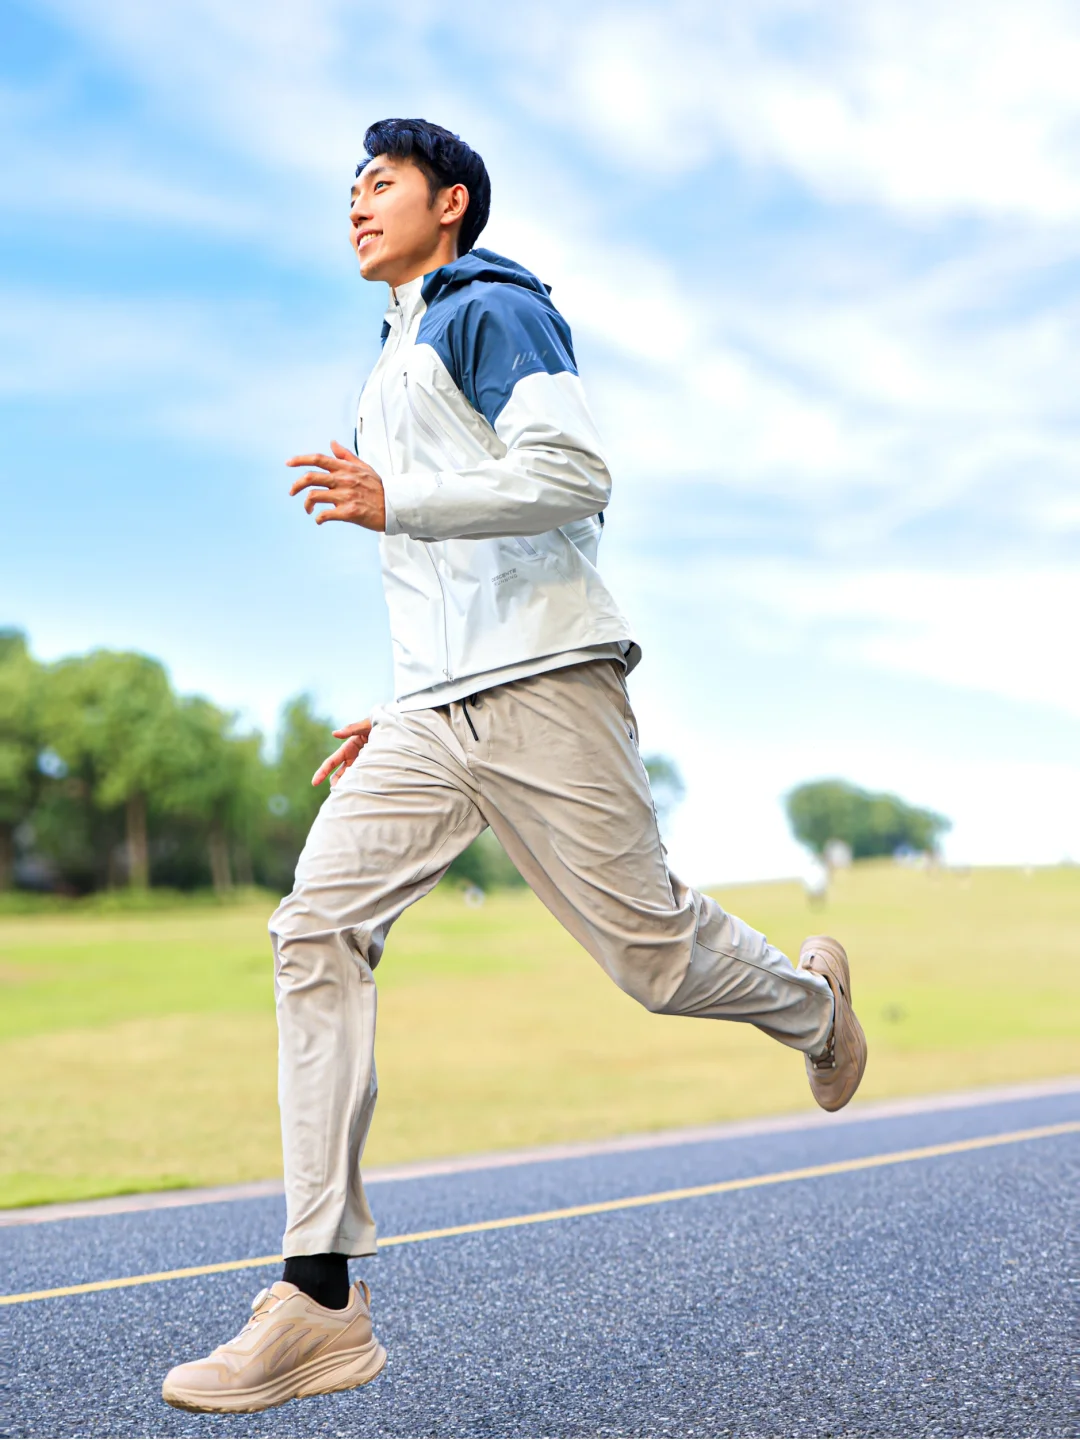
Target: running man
<point x="477" y="462"/>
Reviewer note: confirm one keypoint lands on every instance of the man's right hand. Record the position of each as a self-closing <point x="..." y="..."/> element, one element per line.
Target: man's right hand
<point x="356" y="736"/>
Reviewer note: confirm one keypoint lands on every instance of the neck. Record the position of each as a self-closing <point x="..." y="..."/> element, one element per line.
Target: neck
<point x="445" y="253"/>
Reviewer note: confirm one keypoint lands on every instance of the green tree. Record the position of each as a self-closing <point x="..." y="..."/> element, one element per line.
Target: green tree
<point x="20" y="743"/>
<point x="872" y="824"/>
<point x="304" y="741"/>
<point x="110" y="718"/>
<point x="210" y="776"/>
<point x="291" y="802"/>
<point x="485" y="864"/>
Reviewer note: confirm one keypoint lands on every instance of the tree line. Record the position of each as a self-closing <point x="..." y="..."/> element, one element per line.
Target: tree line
<point x="109" y="778"/>
<point x="869" y="823"/>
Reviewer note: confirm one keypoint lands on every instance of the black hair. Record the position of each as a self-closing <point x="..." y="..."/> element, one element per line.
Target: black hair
<point x="444" y="158"/>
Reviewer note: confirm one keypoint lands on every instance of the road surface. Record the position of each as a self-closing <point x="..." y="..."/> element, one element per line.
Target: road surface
<point x="900" y="1275"/>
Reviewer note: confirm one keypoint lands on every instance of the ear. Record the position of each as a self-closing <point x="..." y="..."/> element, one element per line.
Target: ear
<point x="455" y="203"/>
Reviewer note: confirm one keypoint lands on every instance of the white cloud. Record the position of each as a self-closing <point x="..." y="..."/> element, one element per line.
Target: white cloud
<point x="286" y="86"/>
<point x="1010" y="632"/>
<point x="864" y="375"/>
<point x="39" y="177"/>
<point x="910" y="104"/>
<point x="732" y="825"/>
<point x="236" y="375"/>
<point x="912" y="386"/>
<point x="52" y="344"/>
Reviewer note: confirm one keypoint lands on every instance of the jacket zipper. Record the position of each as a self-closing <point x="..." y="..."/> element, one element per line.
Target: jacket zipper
<point x="442" y="592"/>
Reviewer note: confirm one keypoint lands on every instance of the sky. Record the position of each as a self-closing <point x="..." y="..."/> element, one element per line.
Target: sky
<point x="822" y="268"/>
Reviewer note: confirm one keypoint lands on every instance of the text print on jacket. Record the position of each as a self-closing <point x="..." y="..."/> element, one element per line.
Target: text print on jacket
<point x="475" y="419"/>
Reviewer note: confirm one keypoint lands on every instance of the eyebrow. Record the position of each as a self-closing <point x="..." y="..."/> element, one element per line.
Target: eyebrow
<point x="369" y="170"/>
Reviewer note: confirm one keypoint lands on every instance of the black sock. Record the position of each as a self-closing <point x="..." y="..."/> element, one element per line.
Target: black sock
<point x="324" y="1277"/>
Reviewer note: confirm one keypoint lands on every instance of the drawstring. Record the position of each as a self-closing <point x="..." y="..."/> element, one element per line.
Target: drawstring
<point x="468" y="717"/>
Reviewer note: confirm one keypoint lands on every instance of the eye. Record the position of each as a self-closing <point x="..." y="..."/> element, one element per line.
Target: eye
<point x="379" y="184"/>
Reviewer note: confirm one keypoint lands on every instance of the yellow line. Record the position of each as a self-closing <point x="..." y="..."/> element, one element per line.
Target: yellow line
<point x="125" y="1280"/>
<point x="570" y="1212"/>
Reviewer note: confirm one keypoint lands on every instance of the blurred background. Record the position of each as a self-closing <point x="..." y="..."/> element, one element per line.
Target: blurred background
<point x="820" y="265"/>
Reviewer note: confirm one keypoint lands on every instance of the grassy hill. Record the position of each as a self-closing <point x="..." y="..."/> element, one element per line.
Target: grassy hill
<point x="137" y="1050"/>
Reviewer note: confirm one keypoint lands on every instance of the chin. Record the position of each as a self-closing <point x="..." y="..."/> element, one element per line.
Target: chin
<point x="370" y="268"/>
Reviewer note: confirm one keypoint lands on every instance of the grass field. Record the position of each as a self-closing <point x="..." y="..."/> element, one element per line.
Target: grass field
<point x="137" y="1051"/>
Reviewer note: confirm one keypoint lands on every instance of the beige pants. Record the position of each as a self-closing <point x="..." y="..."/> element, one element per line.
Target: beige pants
<point x="554" y="769"/>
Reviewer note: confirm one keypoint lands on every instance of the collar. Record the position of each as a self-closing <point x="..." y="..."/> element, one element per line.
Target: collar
<point x="405" y="301"/>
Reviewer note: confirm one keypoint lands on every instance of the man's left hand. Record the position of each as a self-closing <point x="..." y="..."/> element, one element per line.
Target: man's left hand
<point x="352" y="489"/>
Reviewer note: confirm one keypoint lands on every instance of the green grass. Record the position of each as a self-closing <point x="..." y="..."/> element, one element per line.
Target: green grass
<point x="137" y="1047"/>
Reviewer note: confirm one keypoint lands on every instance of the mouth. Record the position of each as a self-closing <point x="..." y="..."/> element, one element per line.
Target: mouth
<point x="364" y="239"/>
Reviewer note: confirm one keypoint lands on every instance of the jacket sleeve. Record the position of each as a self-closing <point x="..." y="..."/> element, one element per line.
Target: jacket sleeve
<point x="509" y="351"/>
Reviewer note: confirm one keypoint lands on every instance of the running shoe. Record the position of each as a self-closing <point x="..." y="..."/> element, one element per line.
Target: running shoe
<point x="290" y="1347"/>
<point x="835" y="1072"/>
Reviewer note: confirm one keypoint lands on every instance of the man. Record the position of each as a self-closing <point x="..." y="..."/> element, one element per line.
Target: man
<point x="477" y="462"/>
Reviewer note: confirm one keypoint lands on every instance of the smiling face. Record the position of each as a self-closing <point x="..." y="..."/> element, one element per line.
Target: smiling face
<point x="396" y="229"/>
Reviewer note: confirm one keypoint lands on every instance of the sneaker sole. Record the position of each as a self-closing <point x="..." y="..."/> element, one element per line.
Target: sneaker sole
<point x="317" y="1377"/>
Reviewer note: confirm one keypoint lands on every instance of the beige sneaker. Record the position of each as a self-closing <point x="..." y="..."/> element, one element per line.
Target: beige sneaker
<point x="290" y="1347"/>
<point x="834" y="1075"/>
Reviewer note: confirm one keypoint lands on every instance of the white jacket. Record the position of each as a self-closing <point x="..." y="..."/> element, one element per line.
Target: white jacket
<point x="475" y="419"/>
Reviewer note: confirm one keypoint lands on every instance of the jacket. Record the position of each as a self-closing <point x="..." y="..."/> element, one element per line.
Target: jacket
<point x="475" y="420"/>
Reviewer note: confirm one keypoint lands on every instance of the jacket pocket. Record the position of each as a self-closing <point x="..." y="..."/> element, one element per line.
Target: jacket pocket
<point x="584" y="535"/>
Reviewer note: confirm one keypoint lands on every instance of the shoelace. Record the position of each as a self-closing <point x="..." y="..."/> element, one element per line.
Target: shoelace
<point x="257" y="1313"/>
<point x="827" y="1059"/>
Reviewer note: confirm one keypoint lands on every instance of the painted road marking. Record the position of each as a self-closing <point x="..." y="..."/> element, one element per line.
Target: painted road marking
<point x="571" y="1212"/>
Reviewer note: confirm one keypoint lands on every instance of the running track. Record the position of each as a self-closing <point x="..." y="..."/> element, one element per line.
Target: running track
<point x="818" y="1279"/>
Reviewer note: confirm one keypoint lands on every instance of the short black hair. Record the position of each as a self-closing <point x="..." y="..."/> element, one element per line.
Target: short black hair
<point x="444" y="158"/>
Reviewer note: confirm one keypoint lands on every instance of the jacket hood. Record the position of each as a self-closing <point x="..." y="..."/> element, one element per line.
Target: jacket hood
<point x="480" y="265"/>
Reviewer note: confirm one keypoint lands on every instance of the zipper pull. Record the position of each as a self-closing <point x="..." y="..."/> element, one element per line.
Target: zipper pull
<point x="405" y="378"/>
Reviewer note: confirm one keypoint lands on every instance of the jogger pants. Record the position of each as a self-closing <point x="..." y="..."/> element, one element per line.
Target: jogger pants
<point x="551" y="764"/>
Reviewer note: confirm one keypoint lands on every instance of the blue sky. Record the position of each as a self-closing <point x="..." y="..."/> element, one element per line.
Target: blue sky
<point x="821" y="265"/>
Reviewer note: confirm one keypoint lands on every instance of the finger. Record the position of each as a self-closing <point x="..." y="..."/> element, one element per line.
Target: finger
<point x="319" y="497"/>
<point x="330" y="763"/>
<point x="324" y="462"/>
<point x="322" y="772"/>
<point x="337" y="513"/>
<point x="313" y="477"/>
<point x="358" y="727"/>
<point x="342" y="451"/>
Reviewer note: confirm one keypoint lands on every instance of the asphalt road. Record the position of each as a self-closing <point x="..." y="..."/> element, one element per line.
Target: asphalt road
<point x="925" y="1297"/>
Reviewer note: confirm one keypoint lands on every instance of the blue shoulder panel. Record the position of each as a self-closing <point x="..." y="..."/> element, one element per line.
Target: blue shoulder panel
<point x="492" y="333"/>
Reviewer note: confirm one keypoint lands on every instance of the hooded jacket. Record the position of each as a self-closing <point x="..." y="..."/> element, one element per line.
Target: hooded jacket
<point x="475" y="420"/>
